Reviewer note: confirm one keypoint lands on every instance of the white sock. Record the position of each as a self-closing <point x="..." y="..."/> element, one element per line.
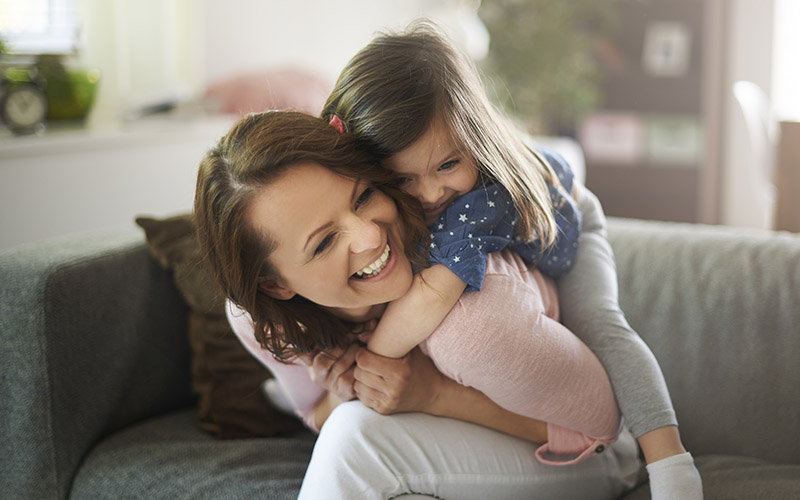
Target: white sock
<point x="675" y="478"/>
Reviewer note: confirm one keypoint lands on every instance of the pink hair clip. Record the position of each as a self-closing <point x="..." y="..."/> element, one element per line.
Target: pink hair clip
<point x="336" y="123"/>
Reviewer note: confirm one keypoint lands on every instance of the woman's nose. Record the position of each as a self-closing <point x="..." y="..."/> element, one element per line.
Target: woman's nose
<point x="364" y="235"/>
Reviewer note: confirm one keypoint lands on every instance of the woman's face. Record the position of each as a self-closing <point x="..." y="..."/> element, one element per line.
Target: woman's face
<point x="338" y="240"/>
<point x="435" y="170"/>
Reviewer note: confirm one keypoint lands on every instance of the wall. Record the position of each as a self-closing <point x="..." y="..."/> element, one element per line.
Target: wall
<point x="150" y="50"/>
<point x="76" y="181"/>
<point x="102" y="175"/>
<point x="317" y="35"/>
<point x="146" y="51"/>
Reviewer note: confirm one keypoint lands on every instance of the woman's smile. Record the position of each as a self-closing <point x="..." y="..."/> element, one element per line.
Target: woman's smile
<point x="374" y="269"/>
<point x="337" y="240"/>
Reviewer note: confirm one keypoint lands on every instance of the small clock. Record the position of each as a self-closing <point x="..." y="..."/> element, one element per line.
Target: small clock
<point x="23" y="107"/>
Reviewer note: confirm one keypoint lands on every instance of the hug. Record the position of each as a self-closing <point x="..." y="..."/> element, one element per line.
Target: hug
<point x="411" y="224"/>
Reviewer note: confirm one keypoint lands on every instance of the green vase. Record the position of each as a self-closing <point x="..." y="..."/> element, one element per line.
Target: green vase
<point x="71" y="94"/>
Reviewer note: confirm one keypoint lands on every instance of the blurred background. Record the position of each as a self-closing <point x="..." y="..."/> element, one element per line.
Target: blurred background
<point x="678" y="110"/>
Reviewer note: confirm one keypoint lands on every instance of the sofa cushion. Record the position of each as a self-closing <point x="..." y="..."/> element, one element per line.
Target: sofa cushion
<point x="225" y="376"/>
<point x="270" y="88"/>
<point x="718" y="307"/>
<point x="168" y="457"/>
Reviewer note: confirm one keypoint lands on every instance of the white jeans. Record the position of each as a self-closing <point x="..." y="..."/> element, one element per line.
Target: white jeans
<point x="361" y="454"/>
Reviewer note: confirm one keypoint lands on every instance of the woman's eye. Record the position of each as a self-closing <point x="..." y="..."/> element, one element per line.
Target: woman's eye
<point x="402" y="181"/>
<point x="324" y="244"/>
<point x="448" y="165"/>
<point x="364" y="197"/>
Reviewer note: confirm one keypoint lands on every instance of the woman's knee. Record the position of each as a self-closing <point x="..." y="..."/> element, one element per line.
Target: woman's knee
<point x="352" y="428"/>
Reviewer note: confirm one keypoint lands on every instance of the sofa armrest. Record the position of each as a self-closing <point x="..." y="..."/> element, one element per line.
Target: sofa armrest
<point x="92" y="339"/>
<point x="719" y="308"/>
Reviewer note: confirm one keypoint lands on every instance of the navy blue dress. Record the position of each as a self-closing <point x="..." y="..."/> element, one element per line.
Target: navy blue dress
<point x="484" y="221"/>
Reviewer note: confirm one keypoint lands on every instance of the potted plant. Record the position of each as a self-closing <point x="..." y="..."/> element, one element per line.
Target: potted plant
<point x="541" y="58"/>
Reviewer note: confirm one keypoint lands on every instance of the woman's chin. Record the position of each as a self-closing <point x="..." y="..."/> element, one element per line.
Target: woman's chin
<point x="358" y="314"/>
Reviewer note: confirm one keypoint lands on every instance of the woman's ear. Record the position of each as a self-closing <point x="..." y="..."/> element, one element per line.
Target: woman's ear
<point x="274" y="290"/>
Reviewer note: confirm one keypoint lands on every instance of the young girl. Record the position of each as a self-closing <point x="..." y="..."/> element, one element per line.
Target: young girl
<point x="477" y="217"/>
<point x="394" y="95"/>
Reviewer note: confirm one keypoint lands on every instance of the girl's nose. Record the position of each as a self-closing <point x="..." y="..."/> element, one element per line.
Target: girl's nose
<point x="427" y="191"/>
<point x="364" y="235"/>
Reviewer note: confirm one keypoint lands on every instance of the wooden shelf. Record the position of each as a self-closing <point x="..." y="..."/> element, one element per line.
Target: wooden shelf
<point x="669" y="194"/>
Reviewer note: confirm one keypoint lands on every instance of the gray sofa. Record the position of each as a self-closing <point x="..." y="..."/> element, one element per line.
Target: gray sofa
<point x="96" y="401"/>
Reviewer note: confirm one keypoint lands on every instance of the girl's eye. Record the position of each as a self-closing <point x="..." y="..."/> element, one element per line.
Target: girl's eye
<point x="324" y="244"/>
<point x="448" y="165"/>
<point x="364" y="196"/>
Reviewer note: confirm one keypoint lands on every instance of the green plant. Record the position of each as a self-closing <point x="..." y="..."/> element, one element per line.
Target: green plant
<point x="541" y="52"/>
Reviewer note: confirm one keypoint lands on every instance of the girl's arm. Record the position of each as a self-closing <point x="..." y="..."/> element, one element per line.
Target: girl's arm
<point x="413" y="317"/>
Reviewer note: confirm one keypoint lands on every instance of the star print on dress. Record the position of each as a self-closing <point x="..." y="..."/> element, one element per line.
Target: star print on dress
<point x="488" y="216"/>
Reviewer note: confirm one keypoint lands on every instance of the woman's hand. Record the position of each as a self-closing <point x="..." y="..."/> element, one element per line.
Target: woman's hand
<point x="412" y="383"/>
<point x="334" y="370"/>
<point x="393" y="385"/>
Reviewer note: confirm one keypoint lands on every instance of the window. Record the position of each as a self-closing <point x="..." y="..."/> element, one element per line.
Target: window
<point x="39" y="26"/>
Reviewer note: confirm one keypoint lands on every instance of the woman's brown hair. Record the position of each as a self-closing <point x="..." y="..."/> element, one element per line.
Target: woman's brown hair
<point x="252" y="155"/>
<point x="390" y="93"/>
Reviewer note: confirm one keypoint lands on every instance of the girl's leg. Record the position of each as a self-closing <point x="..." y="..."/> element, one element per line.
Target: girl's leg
<point x="527" y="362"/>
<point x="362" y="454"/>
<point x="588" y="298"/>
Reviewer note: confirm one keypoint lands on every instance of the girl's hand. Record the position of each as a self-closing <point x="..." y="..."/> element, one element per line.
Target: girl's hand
<point x="334" y="370"/>
<point x="393" y="385"/>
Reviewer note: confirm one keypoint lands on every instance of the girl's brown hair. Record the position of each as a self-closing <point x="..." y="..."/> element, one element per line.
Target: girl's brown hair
<point x="253" y="154"/>
<point x="391" y="92"/>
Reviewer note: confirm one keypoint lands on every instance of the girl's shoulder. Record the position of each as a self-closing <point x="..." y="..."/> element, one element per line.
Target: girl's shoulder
<point x="560" y="166"/>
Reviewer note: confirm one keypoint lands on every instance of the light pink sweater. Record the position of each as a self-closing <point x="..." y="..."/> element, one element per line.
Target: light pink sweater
<point x="506" y="342"/>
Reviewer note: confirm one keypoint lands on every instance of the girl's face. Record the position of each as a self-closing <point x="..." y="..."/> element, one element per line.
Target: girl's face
<point x="435" y="170"/>
<point x="338" y="241"/>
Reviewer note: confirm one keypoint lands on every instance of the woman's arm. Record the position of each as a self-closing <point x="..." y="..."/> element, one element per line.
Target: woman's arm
<point x="413" y="317"/>
<point x="412" y="383"/>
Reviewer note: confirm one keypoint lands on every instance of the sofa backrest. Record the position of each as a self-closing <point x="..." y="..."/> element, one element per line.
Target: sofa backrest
<point x="720" y="308"/>
<point x="92" y="339"/>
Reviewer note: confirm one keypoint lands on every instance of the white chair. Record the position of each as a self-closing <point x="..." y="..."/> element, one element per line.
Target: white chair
<point x="566" y="147"/>
<point x="763" y="133"/>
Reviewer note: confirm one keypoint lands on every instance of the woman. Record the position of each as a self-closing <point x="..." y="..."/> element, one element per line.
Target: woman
<point x="284" y="222"/>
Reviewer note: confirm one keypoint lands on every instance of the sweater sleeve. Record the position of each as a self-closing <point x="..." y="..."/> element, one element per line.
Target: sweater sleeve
<point x="293" y="377"/>
<point x="506" y="342"/>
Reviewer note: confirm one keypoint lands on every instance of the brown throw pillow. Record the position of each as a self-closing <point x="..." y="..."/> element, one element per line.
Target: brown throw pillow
<point x="225" y="376"/>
